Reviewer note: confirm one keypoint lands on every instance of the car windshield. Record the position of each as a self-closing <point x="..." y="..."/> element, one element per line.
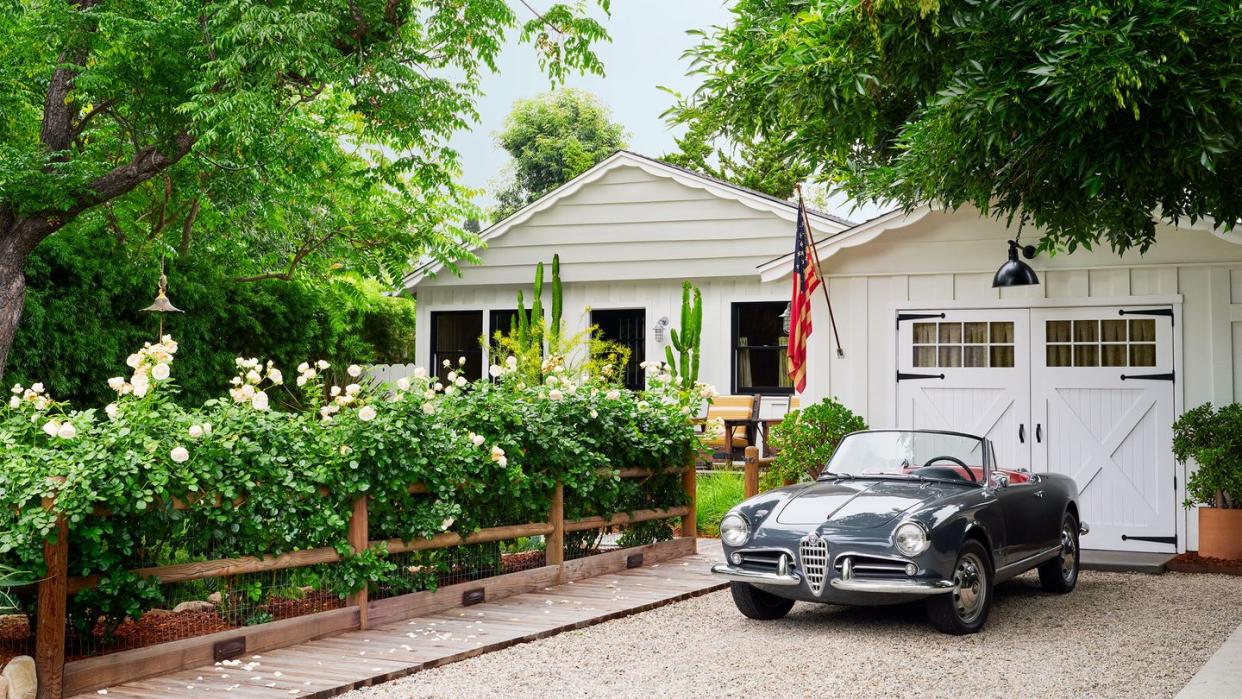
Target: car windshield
<point x="908" y="454"/>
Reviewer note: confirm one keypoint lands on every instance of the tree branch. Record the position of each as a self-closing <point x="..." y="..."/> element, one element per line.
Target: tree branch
<point x="306" y="249"/>
<point x="186" y="226"/>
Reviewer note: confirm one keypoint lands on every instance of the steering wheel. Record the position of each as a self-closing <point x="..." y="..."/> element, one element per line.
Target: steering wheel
<point x="954" y="459"/>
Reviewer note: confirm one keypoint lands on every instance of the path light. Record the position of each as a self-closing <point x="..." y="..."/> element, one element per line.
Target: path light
<point x="161" y="304"/>
<point x="1015" y="272"/>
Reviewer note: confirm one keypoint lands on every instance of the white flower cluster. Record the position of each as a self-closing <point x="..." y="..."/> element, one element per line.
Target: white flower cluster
<point x="498" y="370"/>
<point x="657" y="372"/>
<point x="56" y="428"/>
<point x="33" y="395"/>
<point x="151" y="363"/>
<point x="250" y="375"/>
<point x="307" y="372"/>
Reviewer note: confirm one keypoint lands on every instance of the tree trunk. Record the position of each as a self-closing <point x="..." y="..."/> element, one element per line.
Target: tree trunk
<point x="12" y="294"/>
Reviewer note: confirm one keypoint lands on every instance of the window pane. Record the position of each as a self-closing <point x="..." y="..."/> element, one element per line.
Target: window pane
<point x="950" y="333"/>
<point x="925" y="356"/>
<point x="1113" y="330"/>
<point x="1002" y="356"/>
<point x="1002" y="332"/>
<point x="1058" y="330"/>
<point x="1086" y="331"/>
<point x="925" y="333"/>
<point x="950" y="356"/>
<point x="976" y="333"/>
<point x="1113" y="355"/>
<point x="1059" y="355"/>
<point x="975" y="356"/>
<point x="760" y="323"/>
<point x="458" y="330"/>
<point x="1143" y="355"/>
<point x="760" y="356"/>
<point x="1086" y="355"/>
<point x="761" y="368"/>
<point x="1143" y="330"/>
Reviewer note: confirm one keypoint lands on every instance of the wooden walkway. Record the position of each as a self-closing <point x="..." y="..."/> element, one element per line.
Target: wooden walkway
<point x="333" y="665"/>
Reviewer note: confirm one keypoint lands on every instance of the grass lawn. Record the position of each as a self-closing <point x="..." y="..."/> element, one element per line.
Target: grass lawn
<point x="717" y="493"/>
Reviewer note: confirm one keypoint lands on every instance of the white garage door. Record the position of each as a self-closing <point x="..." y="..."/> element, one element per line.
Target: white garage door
<point x="1103" y="409"/>
<point x="1088" y="392"/>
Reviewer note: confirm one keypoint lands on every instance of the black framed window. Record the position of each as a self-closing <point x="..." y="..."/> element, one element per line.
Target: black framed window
<point x="455" y="334"/>
<point x="626" y="326"/>
<point x="760" y="348"/>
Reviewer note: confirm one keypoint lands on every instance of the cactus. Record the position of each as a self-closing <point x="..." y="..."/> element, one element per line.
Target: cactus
<point x="685" y="366"/>
<point x="554" y="330"/>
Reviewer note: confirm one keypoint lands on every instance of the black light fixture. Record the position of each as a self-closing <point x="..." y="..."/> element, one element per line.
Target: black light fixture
<point x="1015" y="272"/>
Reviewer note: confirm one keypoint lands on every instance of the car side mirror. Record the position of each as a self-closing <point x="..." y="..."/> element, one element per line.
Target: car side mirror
<point x="1000" y="480"/>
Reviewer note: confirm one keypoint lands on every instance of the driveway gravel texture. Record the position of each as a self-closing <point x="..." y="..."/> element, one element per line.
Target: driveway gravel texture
<point x="1116" y="635"/>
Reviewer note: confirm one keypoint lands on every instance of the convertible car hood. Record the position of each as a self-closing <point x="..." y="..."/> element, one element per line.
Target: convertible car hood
<point x="859" y="504"/>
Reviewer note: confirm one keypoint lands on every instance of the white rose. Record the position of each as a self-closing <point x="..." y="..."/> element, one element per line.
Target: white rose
<point x="303" y="367"/>
<point x="67" y="431"/>
<point x="452" y="376"/>
<point x="160" y="372"/>
<point x="448" y="522"/>
<point x="196" y="431"/>
<point x="461" y="360"/>
<point x="461" y="381"/>
<point x="403" y="384"/>
<point x="302" y="380"/>
<point x="17" y="389"/>
<point x="450" y="390"/>
<point x="447" y="363"/>
<point x="366" y="414"/>
<point x="614" y="394"/>
<point x="643" y="405"/>
<point x="275" y="376"/>
<point x="511" y="361"/>
<point x="110" y="411"/>
<point x="429" y="408"/>
<point x="477" y="439"/>
<point x="552" y="380"/>
<point x="353" y="389"/>
<point x="116" y="382"/>
<point x="594" y="414"/>
<point x="429" y="394"/>
<point x="502" y="461"/>
<point x="345" y="450"/>
<point x="497" y="452"/>
<point x="51" y="427"/>
<point x="15" y="402"/>
<point x="37" y="388"/>
<point x="335" y="391"/>
<point x="253" y="376"/>
<point x="247" y="392"/>
<point x="322" y="365"/>
<point x="554" y="394"/>
<point x="354" y="370"/>
<point x="494" y="371"/>
<point x="141" y="385"/>
<point x="179" y="455"/>
<point x="259" y="402"/>
<point x="420" y="373"/>
<point x="133" y="360"/>
<point x="206" y="428"/>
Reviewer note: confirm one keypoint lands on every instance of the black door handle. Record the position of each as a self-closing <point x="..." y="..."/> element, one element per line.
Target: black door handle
<point x="1039" y="432"/>
<point x="1022" y="433"/>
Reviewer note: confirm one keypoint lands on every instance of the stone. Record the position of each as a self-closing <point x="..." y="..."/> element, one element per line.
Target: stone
<point x="22" y="680"/>
<point x="194" y="606"/>
<point x="215" y="598"/>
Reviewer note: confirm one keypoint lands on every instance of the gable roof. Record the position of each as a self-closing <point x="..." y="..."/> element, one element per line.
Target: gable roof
<point x="748" y="197"/>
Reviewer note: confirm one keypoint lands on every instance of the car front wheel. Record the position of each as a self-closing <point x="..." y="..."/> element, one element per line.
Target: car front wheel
<point x="964" y="609"/>
<point x="757" y="604"/>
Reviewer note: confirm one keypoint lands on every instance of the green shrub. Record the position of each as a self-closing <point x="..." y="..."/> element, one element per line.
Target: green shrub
<point x="805" y="440"/>
<point x="1213" y="438"/>
<point x="716" y="493"/>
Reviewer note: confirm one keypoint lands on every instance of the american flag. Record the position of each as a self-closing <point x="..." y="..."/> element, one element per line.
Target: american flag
<point x="805" y="281"/>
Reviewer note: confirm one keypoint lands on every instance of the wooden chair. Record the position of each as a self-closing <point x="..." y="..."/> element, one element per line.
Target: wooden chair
<point x="738" y="413"/>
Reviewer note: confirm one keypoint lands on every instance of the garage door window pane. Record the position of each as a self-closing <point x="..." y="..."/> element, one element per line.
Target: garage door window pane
<point x="1143" y="355"/>
<point x="1113" y="355"/>
<point x="1086" y="331"/>
<point x="1002" y="332"/>
<point x="1143" y="330"/>
<point x="925" y="356"/>
<point x="1086" y="355"/>
<point x="1060" y="355"/>
<point x="975" y="356"/>
<point x="1058" y="330"/>
<point x="950" y="356"/>
<point x="925" y="333"/>
<point x="1002" y="356"/>
<point x="976" y="333"/>
<point x="1113" y="330"/>
<point x="950" y="333"/>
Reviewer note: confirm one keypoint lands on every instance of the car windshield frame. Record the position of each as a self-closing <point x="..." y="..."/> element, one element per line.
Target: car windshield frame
<point x="985" y="447"/>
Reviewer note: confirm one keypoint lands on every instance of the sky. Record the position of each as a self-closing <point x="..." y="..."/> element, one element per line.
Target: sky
<point x="648" y="39"/>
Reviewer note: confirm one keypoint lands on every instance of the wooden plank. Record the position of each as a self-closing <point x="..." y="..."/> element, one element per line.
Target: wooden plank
<point x="429" y="602"/>
<point x="585" y="523"/>
<point x="223" y="567"/>
<point x="108" y="670"/>
<point x="554" y="546"/>
<point x="689" y="526"/>
<point x="641" y="472"/>
<point x="750" y="479"/>
<point x="52" y="608"/>
<point x="358" y="531"/>
<point x="614" y="561"/>
<point x="447" y="539"/>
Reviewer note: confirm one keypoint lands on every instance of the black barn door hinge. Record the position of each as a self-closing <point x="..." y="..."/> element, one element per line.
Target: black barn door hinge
<point x="1153" y="539"/>
<point x="916" y="316"/>
<point x="902" y="376"/>
<point x="1149" y="377"/>
<point x="1148" y="312"/>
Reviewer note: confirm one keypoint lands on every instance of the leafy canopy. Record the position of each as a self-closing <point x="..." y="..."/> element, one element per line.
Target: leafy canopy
<point x="1089" y="119"/>
<point x="553" y="138"/>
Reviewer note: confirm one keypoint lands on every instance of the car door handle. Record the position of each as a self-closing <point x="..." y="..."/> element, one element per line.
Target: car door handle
<point x="1039" y="493"/>
<point x="1022" y="433"/>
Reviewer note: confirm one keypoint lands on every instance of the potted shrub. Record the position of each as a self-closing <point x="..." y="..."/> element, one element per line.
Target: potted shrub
<point x="805" y="440"/>
<point x="1213" y="438"/>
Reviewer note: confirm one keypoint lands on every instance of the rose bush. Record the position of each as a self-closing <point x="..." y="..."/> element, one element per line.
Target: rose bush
<point x="274" y="466"/>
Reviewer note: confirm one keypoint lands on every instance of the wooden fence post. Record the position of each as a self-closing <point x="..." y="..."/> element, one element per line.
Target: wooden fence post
<point x="358" y="533"/>
<point x="751" y="474"/>
<point x="53" y="601"/>
<point x="689" y="524"/>
<point x="554" y="543"/>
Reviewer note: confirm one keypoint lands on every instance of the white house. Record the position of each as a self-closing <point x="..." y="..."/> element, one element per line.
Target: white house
<point x="629" y="231"/>
<point x="1082" y="374"/>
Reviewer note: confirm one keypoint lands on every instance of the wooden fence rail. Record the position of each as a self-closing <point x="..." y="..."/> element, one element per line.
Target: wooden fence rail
<point x="55" y="589"/>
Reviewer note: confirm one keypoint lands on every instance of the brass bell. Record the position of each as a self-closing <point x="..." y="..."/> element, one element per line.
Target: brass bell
<point x="161" y="303"/>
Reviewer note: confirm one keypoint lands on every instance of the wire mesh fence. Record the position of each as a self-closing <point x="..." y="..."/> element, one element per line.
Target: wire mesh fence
<point x="416" y="571"/>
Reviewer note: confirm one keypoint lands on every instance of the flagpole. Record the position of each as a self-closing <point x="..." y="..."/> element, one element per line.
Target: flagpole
<point x="823" y="281"/>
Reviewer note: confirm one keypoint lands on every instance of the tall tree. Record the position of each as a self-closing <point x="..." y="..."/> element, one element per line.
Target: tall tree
<point x="1093" y="120"/>
<point x="754" y="163"/>
<point x="553" y="138"/>
<point x="284" y="135"/>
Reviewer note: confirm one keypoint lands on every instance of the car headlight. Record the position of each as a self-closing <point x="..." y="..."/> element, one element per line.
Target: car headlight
<point x="734" y="529"/>
<point x="910" y="539"/>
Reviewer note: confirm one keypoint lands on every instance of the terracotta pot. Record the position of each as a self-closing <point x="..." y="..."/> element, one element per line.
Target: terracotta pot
<point x="1220" y="533"/>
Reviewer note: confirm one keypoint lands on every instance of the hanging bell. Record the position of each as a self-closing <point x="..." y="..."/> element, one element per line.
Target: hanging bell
<point x="161" y="303"/>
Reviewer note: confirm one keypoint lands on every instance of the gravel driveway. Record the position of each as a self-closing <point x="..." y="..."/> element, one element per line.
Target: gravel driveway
<point x="1117" y="635"/>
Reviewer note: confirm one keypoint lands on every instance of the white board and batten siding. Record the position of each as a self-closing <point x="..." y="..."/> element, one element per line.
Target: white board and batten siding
<point x="944" y="262"/>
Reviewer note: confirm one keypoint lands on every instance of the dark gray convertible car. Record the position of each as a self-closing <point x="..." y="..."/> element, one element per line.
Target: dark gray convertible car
<point x="902" y="515"/>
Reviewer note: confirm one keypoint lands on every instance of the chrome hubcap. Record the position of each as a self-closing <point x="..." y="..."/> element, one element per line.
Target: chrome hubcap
<point x="1069" y="555"/>
<point x="969" y="587"/>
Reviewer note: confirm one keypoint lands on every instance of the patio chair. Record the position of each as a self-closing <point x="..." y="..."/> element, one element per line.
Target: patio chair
<point x="738" y="412"/>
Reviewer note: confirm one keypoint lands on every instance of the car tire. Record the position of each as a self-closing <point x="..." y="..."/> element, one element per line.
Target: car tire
<point x="965" y="609"/>
<point x="1060" y="575"/>
<point x="757" y="604"/>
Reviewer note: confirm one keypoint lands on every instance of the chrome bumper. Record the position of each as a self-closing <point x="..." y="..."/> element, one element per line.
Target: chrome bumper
<point x="893" y="587"/>
<point x="728" y="572"/>
<point x="1083" y="529"/>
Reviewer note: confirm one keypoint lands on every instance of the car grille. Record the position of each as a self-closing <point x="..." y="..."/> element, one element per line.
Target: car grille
<point x="813" y="553"/>
<point x="762" y="561"/>
<point x="873" y="566"/>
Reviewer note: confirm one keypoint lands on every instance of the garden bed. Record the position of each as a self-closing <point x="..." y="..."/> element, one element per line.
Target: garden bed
<point x="1192" y="562"/>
